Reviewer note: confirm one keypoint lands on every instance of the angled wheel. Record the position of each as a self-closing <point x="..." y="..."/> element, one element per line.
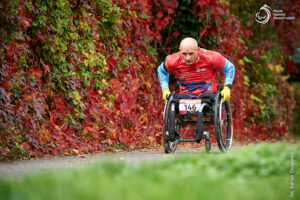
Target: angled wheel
<point x="169" y="147"/>
<point x="223" y="123"/>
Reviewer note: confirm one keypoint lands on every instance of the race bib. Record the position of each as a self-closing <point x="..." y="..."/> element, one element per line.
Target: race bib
<point x="189" y="106"/>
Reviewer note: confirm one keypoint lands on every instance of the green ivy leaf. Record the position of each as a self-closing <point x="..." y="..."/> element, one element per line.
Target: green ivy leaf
<point x="144" y="16"/>
<point x="29" y="6"/>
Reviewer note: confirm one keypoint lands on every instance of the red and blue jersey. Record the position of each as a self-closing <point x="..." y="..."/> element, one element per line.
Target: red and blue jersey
<point x="199" y="77"/>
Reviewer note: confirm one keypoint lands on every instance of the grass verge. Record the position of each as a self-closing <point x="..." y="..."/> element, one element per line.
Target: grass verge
<point x="254" y="172"/>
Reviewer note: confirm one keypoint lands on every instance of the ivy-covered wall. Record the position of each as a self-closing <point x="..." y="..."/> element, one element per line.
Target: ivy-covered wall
<point x="79" y="76"/>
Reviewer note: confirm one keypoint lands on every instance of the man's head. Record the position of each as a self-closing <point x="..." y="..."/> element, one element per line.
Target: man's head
<point x="189" y="50"/>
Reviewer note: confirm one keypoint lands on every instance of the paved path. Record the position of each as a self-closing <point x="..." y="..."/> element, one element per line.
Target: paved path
<point x="18" y="169"/>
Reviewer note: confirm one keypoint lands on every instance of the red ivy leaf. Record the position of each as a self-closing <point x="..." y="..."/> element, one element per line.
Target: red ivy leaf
<point x="176" y="34"/>
<point x="170" y="3"/>
<point x="111" y="63"/>
<point x="36" y="71"/>
<point x="160" y="14"/>
<point x="46" y="67"/>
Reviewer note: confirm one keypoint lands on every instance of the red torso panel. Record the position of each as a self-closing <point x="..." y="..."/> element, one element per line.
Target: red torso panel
<point x="199" y="77"/>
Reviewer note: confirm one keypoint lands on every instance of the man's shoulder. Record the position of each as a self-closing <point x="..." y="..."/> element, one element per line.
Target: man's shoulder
<point x="173" y="60"/>
<point x="210" y="55"/>
<point x="213" y="57"/>
<point x="175" y="57"/>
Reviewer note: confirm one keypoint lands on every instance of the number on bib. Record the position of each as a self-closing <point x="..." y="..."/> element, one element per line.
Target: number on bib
<point x="189" y="106"/>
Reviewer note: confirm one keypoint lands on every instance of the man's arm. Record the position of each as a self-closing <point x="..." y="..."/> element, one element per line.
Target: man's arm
<point x="229" y="71"/>
<point x="163" y="77"/>
<point x="221" y="63"/>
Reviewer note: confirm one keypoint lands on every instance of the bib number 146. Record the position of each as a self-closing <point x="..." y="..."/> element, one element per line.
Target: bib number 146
<point x="189" y="106"/>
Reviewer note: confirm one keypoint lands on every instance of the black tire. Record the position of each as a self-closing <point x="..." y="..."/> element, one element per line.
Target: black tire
<point x="223" y="123"/>
<point x="169" y="147"/>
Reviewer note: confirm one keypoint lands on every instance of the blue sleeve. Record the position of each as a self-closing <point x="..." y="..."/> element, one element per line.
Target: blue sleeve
<point x="163" y="77"/>
<point x="229" y="71"/>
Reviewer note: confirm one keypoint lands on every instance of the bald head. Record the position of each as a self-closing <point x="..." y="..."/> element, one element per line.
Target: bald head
<point x="188" y="43"/>
<point x="189" y="50"/>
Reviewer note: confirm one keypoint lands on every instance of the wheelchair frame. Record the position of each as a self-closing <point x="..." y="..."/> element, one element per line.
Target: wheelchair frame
<point x="219" y="115"/>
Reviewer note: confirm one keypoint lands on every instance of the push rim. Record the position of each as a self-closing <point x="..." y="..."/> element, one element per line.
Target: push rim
<point x="223" y="124"/>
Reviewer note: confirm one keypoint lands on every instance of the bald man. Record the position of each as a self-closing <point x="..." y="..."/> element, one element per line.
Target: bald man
<point x="195" y="69"/>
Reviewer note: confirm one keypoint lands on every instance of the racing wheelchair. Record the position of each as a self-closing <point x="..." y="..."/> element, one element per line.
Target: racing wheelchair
<point x="182" y="111"/>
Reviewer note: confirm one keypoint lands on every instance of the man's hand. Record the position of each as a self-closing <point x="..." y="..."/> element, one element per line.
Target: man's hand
<point x="225" y="93"/>
<point x="166" y="92"/>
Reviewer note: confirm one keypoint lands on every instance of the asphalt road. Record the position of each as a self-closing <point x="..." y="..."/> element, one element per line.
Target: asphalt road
<point x="21" y="168"/>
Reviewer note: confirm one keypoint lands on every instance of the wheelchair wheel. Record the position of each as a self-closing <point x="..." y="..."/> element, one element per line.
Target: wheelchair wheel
<point x="169" y="147"/>
<point x="223" y="123"/>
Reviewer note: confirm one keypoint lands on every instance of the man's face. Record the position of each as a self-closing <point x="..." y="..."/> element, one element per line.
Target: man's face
<point x="189" y="55"/>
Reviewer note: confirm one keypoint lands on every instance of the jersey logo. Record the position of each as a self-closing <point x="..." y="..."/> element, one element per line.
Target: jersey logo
<point x="201" y="69"/>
